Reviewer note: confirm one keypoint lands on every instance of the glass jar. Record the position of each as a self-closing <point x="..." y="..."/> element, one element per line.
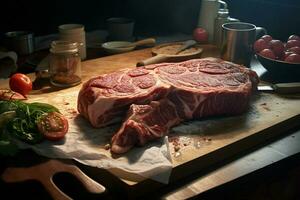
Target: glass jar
<point x="65" y="64"/>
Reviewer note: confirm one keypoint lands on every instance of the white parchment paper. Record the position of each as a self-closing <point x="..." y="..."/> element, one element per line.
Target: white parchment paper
<point x="86" y="145"/>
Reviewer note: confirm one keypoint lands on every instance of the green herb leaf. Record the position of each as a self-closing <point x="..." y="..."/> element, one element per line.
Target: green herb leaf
<point x="8" y="106"/>
<point x="43" y="107"/>
<point x="6" y="117"/>
<point x="22" y="124"/>
<point x="24" y="130"/>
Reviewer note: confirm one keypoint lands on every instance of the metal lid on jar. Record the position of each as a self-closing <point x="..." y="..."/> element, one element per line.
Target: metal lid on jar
<point x="223" y="12"/>
<point x="71" y="29"/>
<point x="60" y="46"/>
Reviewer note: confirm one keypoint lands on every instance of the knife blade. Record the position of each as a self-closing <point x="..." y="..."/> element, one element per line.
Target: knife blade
<point x="187" y="44"/>
<point x="281" y="88"/>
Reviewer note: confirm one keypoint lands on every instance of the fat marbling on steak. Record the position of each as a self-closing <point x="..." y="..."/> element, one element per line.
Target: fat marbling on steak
<point x="160" y="96"/>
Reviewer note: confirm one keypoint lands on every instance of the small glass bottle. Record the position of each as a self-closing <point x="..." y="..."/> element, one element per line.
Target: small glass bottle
<point x="65" y="64"/>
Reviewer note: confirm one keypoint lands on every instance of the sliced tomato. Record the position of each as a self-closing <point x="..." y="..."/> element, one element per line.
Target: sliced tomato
<point x="54" y="126"/>
<point x="6" y="94"/>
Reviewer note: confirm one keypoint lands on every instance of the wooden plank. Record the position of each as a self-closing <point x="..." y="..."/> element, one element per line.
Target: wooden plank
<point x="254" y="160"/>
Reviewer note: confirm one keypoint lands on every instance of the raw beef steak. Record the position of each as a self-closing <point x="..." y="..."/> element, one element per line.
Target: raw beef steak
<point x="160" y="96"/>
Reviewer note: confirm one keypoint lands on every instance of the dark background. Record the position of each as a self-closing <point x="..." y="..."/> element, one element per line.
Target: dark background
<point x="280" y="17"/>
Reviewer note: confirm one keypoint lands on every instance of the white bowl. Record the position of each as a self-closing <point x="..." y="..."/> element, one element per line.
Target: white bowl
<point x="114" y="47"/>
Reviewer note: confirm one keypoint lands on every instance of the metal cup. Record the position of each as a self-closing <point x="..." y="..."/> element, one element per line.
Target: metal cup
<point x="120" y="28"/>
<point x="237" y="41"/>
<point x="21" y="42"/>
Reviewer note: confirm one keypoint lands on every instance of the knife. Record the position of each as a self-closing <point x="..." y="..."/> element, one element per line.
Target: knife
<point x="187" y="44"/>
<point x="281" y="88"/>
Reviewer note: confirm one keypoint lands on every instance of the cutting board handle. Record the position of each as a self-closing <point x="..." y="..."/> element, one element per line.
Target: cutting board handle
<point x="148" y="41"/>
<point x="44" y="173"/>
<point x="155" y="59"/>
<point x="54" y="191"/>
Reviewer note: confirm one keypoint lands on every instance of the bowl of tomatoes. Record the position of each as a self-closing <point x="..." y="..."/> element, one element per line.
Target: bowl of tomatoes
<point x="280" y="59"/>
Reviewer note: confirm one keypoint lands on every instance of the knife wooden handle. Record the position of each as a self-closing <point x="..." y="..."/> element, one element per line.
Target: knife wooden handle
<point x="155" y="59"/>
<point x="148" y="41"/>
<point x="287" y="88"/>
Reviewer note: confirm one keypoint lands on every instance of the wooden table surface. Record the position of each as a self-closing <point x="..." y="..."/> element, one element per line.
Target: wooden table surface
<point x="259" y="157"/>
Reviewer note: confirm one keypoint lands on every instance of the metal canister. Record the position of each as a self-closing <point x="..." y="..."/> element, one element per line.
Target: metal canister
<point x="74" y="33"/>
<point x="22" y="42"/>
<point x="222" y="18"/>
<point x="237" y="42"/>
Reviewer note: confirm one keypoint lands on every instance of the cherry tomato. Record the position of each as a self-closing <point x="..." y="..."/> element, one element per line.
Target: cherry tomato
<point x="293" y="58"/>
<point x="295" y="50"/>
<point x="20" y="83"/>
<point x="286" y="54"/>
<point x="294" y="37"/>
<point x="267" y="53"/>
<point x="277" y="47"/>
<point x="267" y="38"/>
<point x="54" y="126"/>
<point x="292" y="43"/>
<point x="260" y="45"/>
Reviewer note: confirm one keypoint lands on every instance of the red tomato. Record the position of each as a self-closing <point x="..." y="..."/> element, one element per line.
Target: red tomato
<point x="6" y="94"/>
<point x="277" y="47"/>
<point x="293" y="58"/>
<point x="295" y="50"/>
<point x="267" y="53"/>
<point x="292" y="43"/>
<point x="286" y="54"/>
<point x="54" y="126"/>
<point x="20" y="83"/>
<point x="267" y="38"/>
<point x="260" y="45"/>
<point x="200" y="35"/>
<point x="294" y="37"/>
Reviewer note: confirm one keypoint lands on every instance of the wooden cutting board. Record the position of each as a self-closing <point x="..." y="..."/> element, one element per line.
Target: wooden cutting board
<point x="209" y="141"/>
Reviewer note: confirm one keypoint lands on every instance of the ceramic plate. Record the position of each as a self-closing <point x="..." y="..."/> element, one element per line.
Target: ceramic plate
<point x="114" y="47"/>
